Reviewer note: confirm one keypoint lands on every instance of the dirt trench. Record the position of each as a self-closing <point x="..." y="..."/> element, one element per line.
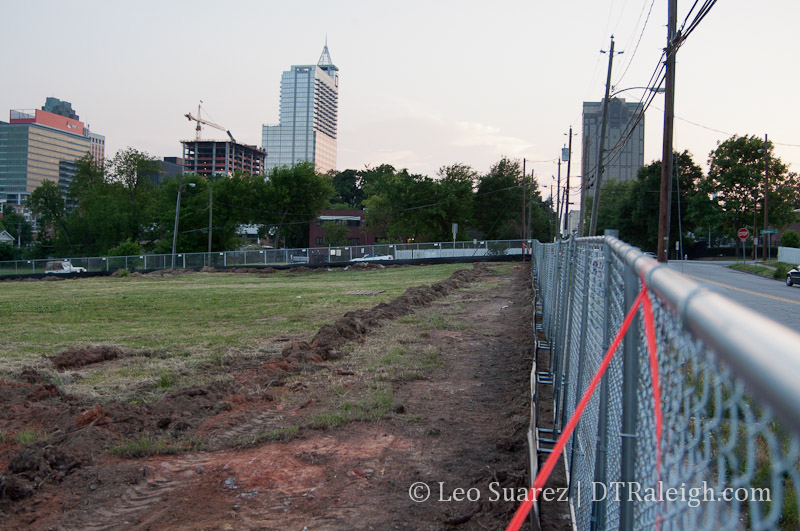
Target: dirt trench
<point x="457" y="432"/>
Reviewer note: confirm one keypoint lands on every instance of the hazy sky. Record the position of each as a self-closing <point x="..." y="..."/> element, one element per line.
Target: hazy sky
<point x="423" y="84"/>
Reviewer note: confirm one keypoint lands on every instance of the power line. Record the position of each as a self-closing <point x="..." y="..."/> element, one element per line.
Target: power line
<point x="636" y="48"/>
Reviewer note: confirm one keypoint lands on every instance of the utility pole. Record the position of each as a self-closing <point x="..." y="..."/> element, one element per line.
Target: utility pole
<point x="766" y="237"/>
<point x="558" y="199"/>
<point x="523" y="198"/>
<point x="210" y="211"/>
<point x="598" y="181"/>
<point x="584" y="179"/>
<point x="177" y="213"/>
<point x="566" y="190"/>
<point x="669" y="114"/>
<point x="529" y="233"/>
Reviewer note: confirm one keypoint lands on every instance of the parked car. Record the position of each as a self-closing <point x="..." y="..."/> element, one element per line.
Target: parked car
<point x="62" y="267"/>
<point x="793" y="276"/>
<point x="371" y="257"/>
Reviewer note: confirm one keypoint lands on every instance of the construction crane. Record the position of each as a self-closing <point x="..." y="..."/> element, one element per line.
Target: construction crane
<point x="205" y="122"/>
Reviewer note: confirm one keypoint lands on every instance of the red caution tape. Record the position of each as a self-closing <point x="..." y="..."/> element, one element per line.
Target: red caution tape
<point x="642" y="299"/>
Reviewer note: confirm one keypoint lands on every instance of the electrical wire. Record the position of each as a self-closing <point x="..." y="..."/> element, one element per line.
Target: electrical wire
<point x="630" y="61"/>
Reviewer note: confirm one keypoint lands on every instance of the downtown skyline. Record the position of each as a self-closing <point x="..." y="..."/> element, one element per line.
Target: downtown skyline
<point x="425" y="87"/>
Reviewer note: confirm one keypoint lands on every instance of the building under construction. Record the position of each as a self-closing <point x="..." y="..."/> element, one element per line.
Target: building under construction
<point x="215" y="157"/>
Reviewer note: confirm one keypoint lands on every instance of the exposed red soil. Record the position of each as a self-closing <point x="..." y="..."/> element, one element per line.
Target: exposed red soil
<point x="78" y="357"/>
<point x="463" y="426"/>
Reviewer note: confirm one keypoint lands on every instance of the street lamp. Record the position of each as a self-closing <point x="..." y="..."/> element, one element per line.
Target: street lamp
<point x="177" y="213"/>
<point x="658" y="90"/>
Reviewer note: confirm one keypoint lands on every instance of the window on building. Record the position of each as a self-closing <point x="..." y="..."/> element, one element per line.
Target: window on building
<point x="353" y="222"/>
<point x="320" y="240"/>
<point x="355" y="241"/>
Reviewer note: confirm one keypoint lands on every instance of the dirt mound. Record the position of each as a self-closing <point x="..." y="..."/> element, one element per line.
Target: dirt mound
<point x="78" y="357"/>
<point x="42" y="461"/>
<point x="365" y="265"/>
<point x="354" y="325"/>
<point x="14" y="488"/>
<point x="243" y="270"/>
<point x="165" y="273"/>
<point x="300" y="269"/>
<point x="31" y="376"/>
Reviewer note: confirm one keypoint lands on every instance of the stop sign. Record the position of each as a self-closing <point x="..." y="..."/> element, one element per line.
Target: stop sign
<point x="743" y="234"/>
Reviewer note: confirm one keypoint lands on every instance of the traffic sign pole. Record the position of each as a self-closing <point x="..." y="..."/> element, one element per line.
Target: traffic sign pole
<point x="743" y="233"/>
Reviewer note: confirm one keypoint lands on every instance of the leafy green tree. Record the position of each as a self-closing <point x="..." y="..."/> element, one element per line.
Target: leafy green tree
<point x="455" y="192"/>
<point x="347" y="185"/>
<point x="498" y="195"/>
<point x="790" y="238"/>
<point x="48" y="206"/>
<point x="294" y="197"/>
<point x="193" y="217"/>
<point x="617" y="205"/>
<point x="636" y="210"/>
<point x="126" y="248"/>
<point x="239" y="199"/>
<point x="129" y="175"/>
<point x="15" y="224"/>
<point x="6" y="251"/>
<point x="541" y="215"/>
<point x="736" y="181"/>
<point x="395" y="202"/>
<point x="334" y="234"/>
<point x="94" y="225"/>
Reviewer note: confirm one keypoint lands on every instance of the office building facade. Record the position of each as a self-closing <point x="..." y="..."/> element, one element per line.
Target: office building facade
<point x="38" y="146"/>
<point x="308" y="117"/>
<point x="621" y="159"/>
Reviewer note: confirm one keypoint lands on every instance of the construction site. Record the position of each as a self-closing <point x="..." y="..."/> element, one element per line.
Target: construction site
<point x="215" y="157"/>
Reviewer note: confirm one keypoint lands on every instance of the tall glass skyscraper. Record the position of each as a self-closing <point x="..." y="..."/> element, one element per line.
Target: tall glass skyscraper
<point x="308" y="114"/>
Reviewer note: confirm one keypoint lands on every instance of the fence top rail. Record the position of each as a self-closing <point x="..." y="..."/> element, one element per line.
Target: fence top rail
<point x="760" y="351"/>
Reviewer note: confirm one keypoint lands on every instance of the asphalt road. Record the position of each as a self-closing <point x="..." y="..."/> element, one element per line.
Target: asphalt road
<point x="768" y="297"/>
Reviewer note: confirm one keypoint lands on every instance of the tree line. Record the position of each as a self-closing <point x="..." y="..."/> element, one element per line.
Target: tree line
<point x="119" y="208"/>
<point x="711" y="206"/>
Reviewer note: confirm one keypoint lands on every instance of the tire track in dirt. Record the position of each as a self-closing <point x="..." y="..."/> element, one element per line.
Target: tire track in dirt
<point x="141" y="499"/>
<point x="243" y="428"/>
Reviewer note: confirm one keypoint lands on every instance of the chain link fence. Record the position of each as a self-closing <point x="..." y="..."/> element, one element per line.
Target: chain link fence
<point x="277" y="257"/>
<point x="730" y="396"/>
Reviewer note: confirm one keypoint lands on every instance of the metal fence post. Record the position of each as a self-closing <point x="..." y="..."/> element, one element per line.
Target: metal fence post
<point x="562" y="351"/>
<point x="630" y="404"/>
<point x="600" y="464"/>
<point x="581" y="359"/>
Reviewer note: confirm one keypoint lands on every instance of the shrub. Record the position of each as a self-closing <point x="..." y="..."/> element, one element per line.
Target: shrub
<point x="126" y="248"/>
<point x="790" y="238"/>
<point x="781" y="270"/>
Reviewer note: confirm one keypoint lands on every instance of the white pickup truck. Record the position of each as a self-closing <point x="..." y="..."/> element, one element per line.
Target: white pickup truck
<point x="62" y="267"/>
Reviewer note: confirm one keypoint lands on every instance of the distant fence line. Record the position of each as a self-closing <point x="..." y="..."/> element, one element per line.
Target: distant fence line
<point x="729" y="396"/>
<point x="273" y="257"/>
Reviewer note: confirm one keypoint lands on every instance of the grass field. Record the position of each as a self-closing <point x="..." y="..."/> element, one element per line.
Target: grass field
<point x="182" y="322"/>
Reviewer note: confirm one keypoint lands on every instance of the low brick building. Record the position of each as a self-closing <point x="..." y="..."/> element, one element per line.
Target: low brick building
<point x="355" y="221"/>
